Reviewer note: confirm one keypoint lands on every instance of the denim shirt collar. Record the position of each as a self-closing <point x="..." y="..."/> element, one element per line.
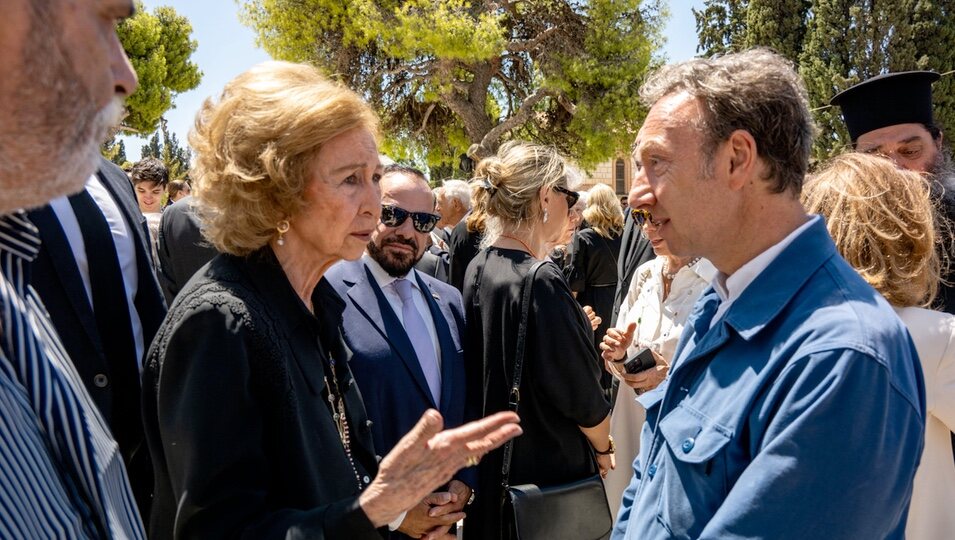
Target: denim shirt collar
<point x="769" y="293"/>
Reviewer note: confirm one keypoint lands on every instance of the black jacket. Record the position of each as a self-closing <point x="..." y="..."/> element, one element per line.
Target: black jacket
<point x="635" y="250"/>
<point x="237" y="419"/>
<point x="55" y="276"/>
<point x="182" y="249"/>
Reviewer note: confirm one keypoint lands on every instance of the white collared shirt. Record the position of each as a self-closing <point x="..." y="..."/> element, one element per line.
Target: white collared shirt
<point x="660" y="321"/>
<point x="385" y="284"/>
<point x="122" y="241"/>
<point x="729" y="288"/>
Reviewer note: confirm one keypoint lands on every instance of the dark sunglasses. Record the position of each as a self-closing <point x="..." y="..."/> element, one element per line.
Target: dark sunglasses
<point x="642" y="217"/>
<point x="423" y="222"/>
<point x="572" y="196"/>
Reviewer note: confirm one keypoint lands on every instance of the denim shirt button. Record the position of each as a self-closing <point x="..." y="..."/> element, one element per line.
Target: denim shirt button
<point x="652" y="471"/>
<point x="688" y="445"/>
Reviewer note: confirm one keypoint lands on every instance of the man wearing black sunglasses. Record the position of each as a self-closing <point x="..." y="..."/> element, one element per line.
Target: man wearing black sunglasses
<point x="403" y="328"/>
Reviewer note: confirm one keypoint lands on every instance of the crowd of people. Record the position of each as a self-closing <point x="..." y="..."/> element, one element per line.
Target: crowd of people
<point x="307" y="340"/>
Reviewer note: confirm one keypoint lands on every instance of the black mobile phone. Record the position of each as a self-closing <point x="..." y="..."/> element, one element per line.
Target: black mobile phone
<point x="641" y="361"/>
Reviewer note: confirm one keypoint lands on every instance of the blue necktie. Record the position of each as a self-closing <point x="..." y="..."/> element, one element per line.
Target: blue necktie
<point x="420" y="338"/>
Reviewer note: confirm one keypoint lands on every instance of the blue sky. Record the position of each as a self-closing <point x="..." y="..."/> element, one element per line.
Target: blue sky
<point x="227" y="48"/>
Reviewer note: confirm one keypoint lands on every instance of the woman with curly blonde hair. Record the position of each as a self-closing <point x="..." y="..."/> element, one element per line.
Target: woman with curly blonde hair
<point x="254" y="422"/>
<point x="885" y="224"/>
<point x="593" y="269"/>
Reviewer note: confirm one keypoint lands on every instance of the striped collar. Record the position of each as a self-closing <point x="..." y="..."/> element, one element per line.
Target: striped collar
<point x="18" y="236"/>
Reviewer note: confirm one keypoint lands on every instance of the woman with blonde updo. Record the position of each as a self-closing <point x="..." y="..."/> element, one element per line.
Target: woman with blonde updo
<point x="564" y="414"/>
<point x="885" y="225"/>
<point x="593" y="269"/>
<point x="254" y="424"/>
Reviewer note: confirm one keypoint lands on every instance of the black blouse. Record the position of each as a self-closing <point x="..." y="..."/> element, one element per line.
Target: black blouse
<point x="593" y="276"/>
<point x="560" y="389"/>
<point x="462" y="247"/>
<point x="242" y="436"/>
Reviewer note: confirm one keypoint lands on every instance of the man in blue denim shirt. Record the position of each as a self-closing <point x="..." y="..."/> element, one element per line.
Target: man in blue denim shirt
<point x="795" y="406"/>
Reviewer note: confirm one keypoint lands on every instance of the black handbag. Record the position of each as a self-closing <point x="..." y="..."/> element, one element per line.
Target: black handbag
<point x="574" y="511"/>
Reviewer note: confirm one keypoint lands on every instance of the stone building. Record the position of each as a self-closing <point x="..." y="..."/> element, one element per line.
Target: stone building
<point x="616" y="173"/>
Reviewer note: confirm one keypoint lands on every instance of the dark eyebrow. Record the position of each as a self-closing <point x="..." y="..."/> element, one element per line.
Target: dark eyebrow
<point x="913" y="138"/>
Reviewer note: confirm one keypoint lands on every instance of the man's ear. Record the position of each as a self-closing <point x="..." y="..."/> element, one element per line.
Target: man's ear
<point x="938" y="141"/>
<point x="742" y="156"/>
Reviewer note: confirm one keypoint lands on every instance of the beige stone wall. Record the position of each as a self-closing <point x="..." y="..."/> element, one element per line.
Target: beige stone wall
<point x="604" y="174"/>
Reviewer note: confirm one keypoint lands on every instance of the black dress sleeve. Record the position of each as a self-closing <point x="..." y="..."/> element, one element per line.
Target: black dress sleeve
<point x="576" y="270"/>
<point x="213" y="438"/>
<point x="565" y="363"/>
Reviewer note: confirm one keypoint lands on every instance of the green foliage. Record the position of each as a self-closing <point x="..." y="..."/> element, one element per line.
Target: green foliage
<point x="159" y="47"/>
<point x="838" y="43"/>
<point x="721" y="26"/>
<point x="778" y="24"/>
<point x="454" y="76"/>
<point x="164" y="146"/>
<point x="115" y="151"/>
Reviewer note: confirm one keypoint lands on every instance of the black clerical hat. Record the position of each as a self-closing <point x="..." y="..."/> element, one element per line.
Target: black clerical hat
<point x="887" y="100"/>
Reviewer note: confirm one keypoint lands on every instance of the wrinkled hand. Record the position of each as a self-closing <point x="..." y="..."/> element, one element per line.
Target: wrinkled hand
<point x="458" y="493"/>
<point x="427" y="457"/>
<point x="645" y="380"/>
<point x="616" y="341"/>
<point x="421" y="520"/>
<point x="606" y="463"/>
<point x="592" y="317"/>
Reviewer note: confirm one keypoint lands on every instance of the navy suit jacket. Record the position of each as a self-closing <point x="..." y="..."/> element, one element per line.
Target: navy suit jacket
<point x="384" y="363"/>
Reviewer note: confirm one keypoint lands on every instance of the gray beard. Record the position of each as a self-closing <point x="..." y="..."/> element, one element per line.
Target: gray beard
<point x="50" y="146"/>
<point x="942" y="183"/>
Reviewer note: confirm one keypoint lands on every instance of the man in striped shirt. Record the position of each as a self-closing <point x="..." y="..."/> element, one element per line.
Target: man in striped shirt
<point x="64" y="76"/>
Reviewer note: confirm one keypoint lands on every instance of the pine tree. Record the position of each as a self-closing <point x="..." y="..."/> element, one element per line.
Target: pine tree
<point x="159" y="46"/>
<point x="839" y="43"/>
<point x="455" y="76"/>
<point x="721" y="26"/>
<point x="153" y="148"/>
<point x="115" y="151"/>
<point x="164" y="146"/>
<point x="777" y="24"/>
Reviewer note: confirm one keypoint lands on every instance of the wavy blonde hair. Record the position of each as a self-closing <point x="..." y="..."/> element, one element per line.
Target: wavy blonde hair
<point x="255" y="144"/>
<point x="883" y="222"/>
<point x="603" y="211"/>
<point x="507" y="185"/>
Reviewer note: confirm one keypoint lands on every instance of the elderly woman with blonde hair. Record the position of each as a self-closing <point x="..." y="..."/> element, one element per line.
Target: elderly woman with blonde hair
<point x="564" y="414"/>
<point x="254" y="423"/>
<point x="886" y="226"/>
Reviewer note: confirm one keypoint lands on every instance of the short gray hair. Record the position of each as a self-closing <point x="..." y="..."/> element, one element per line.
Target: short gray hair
<point x="457" y="189"/>
<point x="757" y="91"/>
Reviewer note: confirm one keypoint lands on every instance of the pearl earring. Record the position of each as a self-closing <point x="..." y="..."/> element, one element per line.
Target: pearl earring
<point x="282" y="228"/>
<point x="545" y="215"/>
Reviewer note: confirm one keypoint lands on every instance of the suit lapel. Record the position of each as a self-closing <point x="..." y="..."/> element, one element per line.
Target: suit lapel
<point x="371" y="302"/>
<point x="56" y="245"/>
<point x="127" y="205"/>
<point x="445" y="339"/>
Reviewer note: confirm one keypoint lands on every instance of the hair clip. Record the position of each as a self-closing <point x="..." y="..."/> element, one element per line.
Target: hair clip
<point x="486" y="184"/>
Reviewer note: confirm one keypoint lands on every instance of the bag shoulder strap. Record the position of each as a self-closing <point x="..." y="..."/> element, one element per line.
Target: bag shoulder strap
<point x="515" y="396"/>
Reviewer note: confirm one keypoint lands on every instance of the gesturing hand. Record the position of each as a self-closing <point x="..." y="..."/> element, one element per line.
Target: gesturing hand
<point x="427" y="457"/>
<point x="616" y="341"/>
